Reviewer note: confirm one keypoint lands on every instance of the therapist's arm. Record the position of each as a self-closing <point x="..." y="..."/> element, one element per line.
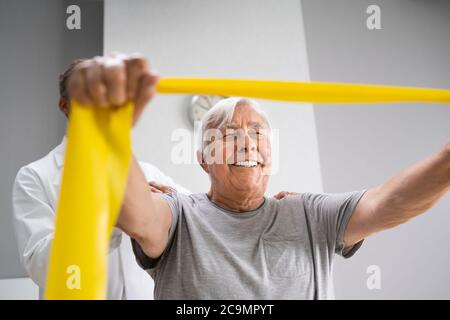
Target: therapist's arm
<point x="110" y="82"/>
<point x="33" y="220"/>
<point x="410" y="193"/>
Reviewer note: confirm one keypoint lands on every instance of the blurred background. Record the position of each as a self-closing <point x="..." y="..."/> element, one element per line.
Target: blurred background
<point x="322" y="148"/>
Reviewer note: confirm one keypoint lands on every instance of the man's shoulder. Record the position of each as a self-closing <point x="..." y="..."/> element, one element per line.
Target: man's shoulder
<point x="288" y="207"/>
<point x="42" y="167"/>
<point x="191" y="198"/>
<point x="289" y="200"/>
<point x="184" y="201"/>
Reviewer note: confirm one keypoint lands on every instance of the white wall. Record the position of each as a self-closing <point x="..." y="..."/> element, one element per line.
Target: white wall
<point x="236" y="39"/>
<point x="18" y="289"/>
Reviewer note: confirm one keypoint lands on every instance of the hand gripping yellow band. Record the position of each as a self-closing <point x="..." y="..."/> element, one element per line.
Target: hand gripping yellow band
<point x="97" y="160"/>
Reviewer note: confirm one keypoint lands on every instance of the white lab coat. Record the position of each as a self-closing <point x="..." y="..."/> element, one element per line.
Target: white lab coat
<point x="35" y="195"/>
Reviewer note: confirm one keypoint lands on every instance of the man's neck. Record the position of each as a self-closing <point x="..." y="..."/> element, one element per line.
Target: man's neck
<point x="236" y="202"/>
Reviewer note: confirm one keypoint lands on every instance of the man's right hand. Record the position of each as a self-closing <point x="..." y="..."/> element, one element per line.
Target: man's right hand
<point x="112" y="80"/>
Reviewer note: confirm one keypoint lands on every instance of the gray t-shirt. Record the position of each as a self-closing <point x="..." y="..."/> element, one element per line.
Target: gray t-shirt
<point x="282" y="250"/>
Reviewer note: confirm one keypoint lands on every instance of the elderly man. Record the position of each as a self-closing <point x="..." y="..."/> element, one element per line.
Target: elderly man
<point x="233" y="242"/>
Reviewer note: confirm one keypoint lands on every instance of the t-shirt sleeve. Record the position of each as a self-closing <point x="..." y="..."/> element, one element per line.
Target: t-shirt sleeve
<point x="332" y="212"/>
<point x="150" y="264"/>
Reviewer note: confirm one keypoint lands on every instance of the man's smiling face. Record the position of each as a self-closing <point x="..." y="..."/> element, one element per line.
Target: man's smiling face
<point x="240" y="154"/>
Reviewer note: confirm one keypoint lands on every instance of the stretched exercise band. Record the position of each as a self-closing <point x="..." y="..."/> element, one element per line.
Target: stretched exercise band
<point x="313" y="92"/>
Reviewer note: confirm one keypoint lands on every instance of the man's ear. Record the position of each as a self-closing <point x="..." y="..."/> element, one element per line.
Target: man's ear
<point x="64" y="106"/>
<point x="201" y="161"/>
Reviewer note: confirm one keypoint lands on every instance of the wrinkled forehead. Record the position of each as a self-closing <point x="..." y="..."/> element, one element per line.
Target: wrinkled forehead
<point x="243" y="114"/>
<point x="246" y="115"/>
<point x="250" y="124"/>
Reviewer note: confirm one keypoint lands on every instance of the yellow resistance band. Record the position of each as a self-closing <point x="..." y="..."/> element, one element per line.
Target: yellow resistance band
<point x="94" y="178"/>
<point x="97" y="160"/>
<point x="314" y="92"/>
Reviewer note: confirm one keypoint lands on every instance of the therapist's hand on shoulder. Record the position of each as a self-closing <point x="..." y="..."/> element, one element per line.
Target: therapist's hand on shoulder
<point x="110" y="81"/>
<point x="156" y="187"/>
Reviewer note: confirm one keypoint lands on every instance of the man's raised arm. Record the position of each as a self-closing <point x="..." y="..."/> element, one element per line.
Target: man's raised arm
<point x="110" y="82"/>
<point x="406" y="195"/>
<point x="145" y="216"/>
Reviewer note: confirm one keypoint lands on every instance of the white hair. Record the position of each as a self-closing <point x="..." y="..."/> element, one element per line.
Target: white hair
<point x="222" y="113"/>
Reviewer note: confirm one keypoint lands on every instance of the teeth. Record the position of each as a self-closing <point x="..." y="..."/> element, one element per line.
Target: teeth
<point x="247" y="164"/>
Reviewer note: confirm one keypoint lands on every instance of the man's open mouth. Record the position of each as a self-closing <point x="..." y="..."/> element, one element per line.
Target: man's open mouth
<point x="246" y="164"/>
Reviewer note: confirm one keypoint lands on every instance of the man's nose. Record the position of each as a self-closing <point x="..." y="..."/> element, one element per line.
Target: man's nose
<point x="247" y="144"/>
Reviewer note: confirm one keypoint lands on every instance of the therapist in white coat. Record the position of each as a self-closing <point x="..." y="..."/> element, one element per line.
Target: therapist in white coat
<point x="35" y="195"/>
